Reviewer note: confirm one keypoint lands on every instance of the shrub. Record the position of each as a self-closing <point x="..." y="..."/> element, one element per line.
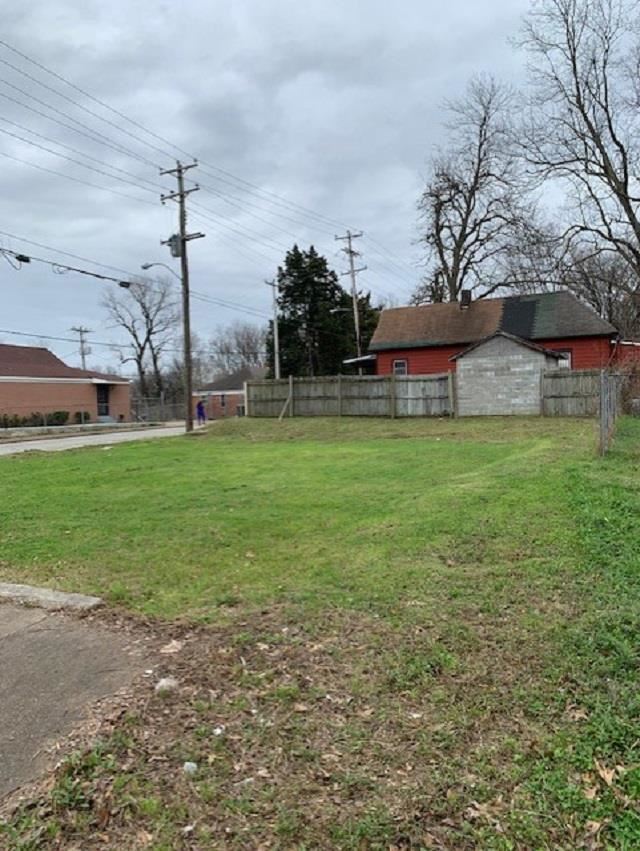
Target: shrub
<point x="34" y="419"/>
<point x="58" y="418"/>
<point x="82" y="417"/>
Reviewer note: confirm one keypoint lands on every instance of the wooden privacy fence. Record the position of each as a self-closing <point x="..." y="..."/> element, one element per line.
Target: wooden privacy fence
<point x="585" y="393"/>
<point x="577" y="393"/>
<point x="352" y="396"/>
<point x="564" y="393"/>
<point x="571" y="393"/>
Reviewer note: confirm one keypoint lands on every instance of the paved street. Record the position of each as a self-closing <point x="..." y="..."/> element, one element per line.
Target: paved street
<point x="77" y="441"/>
<point x="51" y="668"/>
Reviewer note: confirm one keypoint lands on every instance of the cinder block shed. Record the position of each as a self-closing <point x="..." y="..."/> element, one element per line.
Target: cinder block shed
<point x="502" y="376"/>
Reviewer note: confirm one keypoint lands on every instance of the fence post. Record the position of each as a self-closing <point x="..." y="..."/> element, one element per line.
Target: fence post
<point x="291" y="395"/>
<point x="452" y="393"/>
<point x="603" y="413"/>
<point x="246" y="398"/>
<point x="392" y="397"/>
<point x="339" y="394"/>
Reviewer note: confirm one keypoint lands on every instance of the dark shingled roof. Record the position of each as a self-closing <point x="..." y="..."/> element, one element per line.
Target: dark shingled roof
<point x="533" y="317"/>
<point x="234" y="381"/>
<point x="34" y="362"/>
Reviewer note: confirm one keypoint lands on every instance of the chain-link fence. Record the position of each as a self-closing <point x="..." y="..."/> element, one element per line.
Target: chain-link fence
<point x="156" y="409"/>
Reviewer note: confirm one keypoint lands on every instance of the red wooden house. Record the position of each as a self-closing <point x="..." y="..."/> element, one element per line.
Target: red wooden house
<point x="426" y="339"/>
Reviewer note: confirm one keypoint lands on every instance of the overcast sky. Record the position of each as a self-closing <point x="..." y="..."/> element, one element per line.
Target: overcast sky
<point x="334" y="107"/>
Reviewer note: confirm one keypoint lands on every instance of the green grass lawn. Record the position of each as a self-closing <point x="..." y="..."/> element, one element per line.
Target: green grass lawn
<point x="492" y="566"/>
<point x="347" y="513"/>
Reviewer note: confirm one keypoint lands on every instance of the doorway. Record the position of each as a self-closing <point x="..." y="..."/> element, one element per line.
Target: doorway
<point x="103" y="399"/>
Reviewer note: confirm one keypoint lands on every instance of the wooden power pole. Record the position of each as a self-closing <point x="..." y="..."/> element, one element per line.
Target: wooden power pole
<point x="351" y="253"/>
<point x="183" y="238"/>
<point x="84" y="349"/>
<point x="276" y="335"/>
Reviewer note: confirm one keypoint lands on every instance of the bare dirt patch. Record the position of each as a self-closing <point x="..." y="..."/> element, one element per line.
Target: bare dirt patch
<point x="342" y="731"/>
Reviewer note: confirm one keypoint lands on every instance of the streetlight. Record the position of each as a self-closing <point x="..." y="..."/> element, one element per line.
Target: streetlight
<point x="188" y="412"/>
<point x="146" y="266"/>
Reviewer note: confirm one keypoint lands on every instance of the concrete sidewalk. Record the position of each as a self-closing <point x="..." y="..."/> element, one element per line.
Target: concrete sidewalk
<point x="58" y="444"/>
<point x="51" y="668"/>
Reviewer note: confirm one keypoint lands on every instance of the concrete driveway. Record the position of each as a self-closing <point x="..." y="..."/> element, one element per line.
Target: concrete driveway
<point x="58" y="444"/>
<point x="51" y="668"/>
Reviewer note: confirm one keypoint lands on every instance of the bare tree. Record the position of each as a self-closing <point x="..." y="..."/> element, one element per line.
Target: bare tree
<point x="605" y="281"/>
<point x="147" y="311"/>
<point x="474" y="209"/>
<point x="238" y="345"/>
<point x="583" y="119"/>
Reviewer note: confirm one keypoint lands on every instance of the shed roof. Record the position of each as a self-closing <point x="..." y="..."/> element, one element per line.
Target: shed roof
<point x="534" y="317"/>
<point x="36" y="362"/>
<point x="234" y="381"/>
<point x="519" y="340"/>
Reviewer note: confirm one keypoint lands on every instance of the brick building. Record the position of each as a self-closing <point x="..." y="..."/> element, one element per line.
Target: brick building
<point x="224" y="397"/>
<point x="35" y="381"/>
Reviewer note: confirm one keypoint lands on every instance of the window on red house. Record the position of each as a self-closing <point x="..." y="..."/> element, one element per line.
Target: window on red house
<point x="400" y="367"/>
<point x="564" y="362"/>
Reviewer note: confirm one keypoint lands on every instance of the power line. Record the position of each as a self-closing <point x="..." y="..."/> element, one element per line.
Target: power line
<point x="87" y="131"/>
<point x="75" y="151"/>
<point x="65" y="253"/>
<point x="78" y="105"/>
<point x="92" y="98"/>
<point x="392" y="256"/>
<point x="249" y="187"/>
<point x="228" y="198"/>
<point x="101" y="140"/>
<point x="256" y="256"/>
<point x="56" y="110"/>
<point x="210" y="214"/>
<point x="229" y="304"/>
<point x="60" y="339"/>
<point x="60" y="267"/>
<point x="35" y="335"/>
<point x="242" y="209"/>
<point x="76" y="179"/>
<point x="392" y="266"/>
<point x="76" y="162"/>
<point x="264" y="240"/>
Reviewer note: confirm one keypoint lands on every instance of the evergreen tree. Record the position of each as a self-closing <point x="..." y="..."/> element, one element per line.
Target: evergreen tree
<point x="315" y="317"/>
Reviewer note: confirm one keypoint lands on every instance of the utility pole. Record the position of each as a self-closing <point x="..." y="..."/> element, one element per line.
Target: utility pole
<point x="351" y="253"/>
<point x="84" y="349"/>
<point x="181" y="245"/>
<point x="276" y="337"/>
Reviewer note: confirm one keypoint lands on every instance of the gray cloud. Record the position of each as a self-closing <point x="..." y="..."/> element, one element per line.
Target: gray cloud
<point x="333" y="106"/>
